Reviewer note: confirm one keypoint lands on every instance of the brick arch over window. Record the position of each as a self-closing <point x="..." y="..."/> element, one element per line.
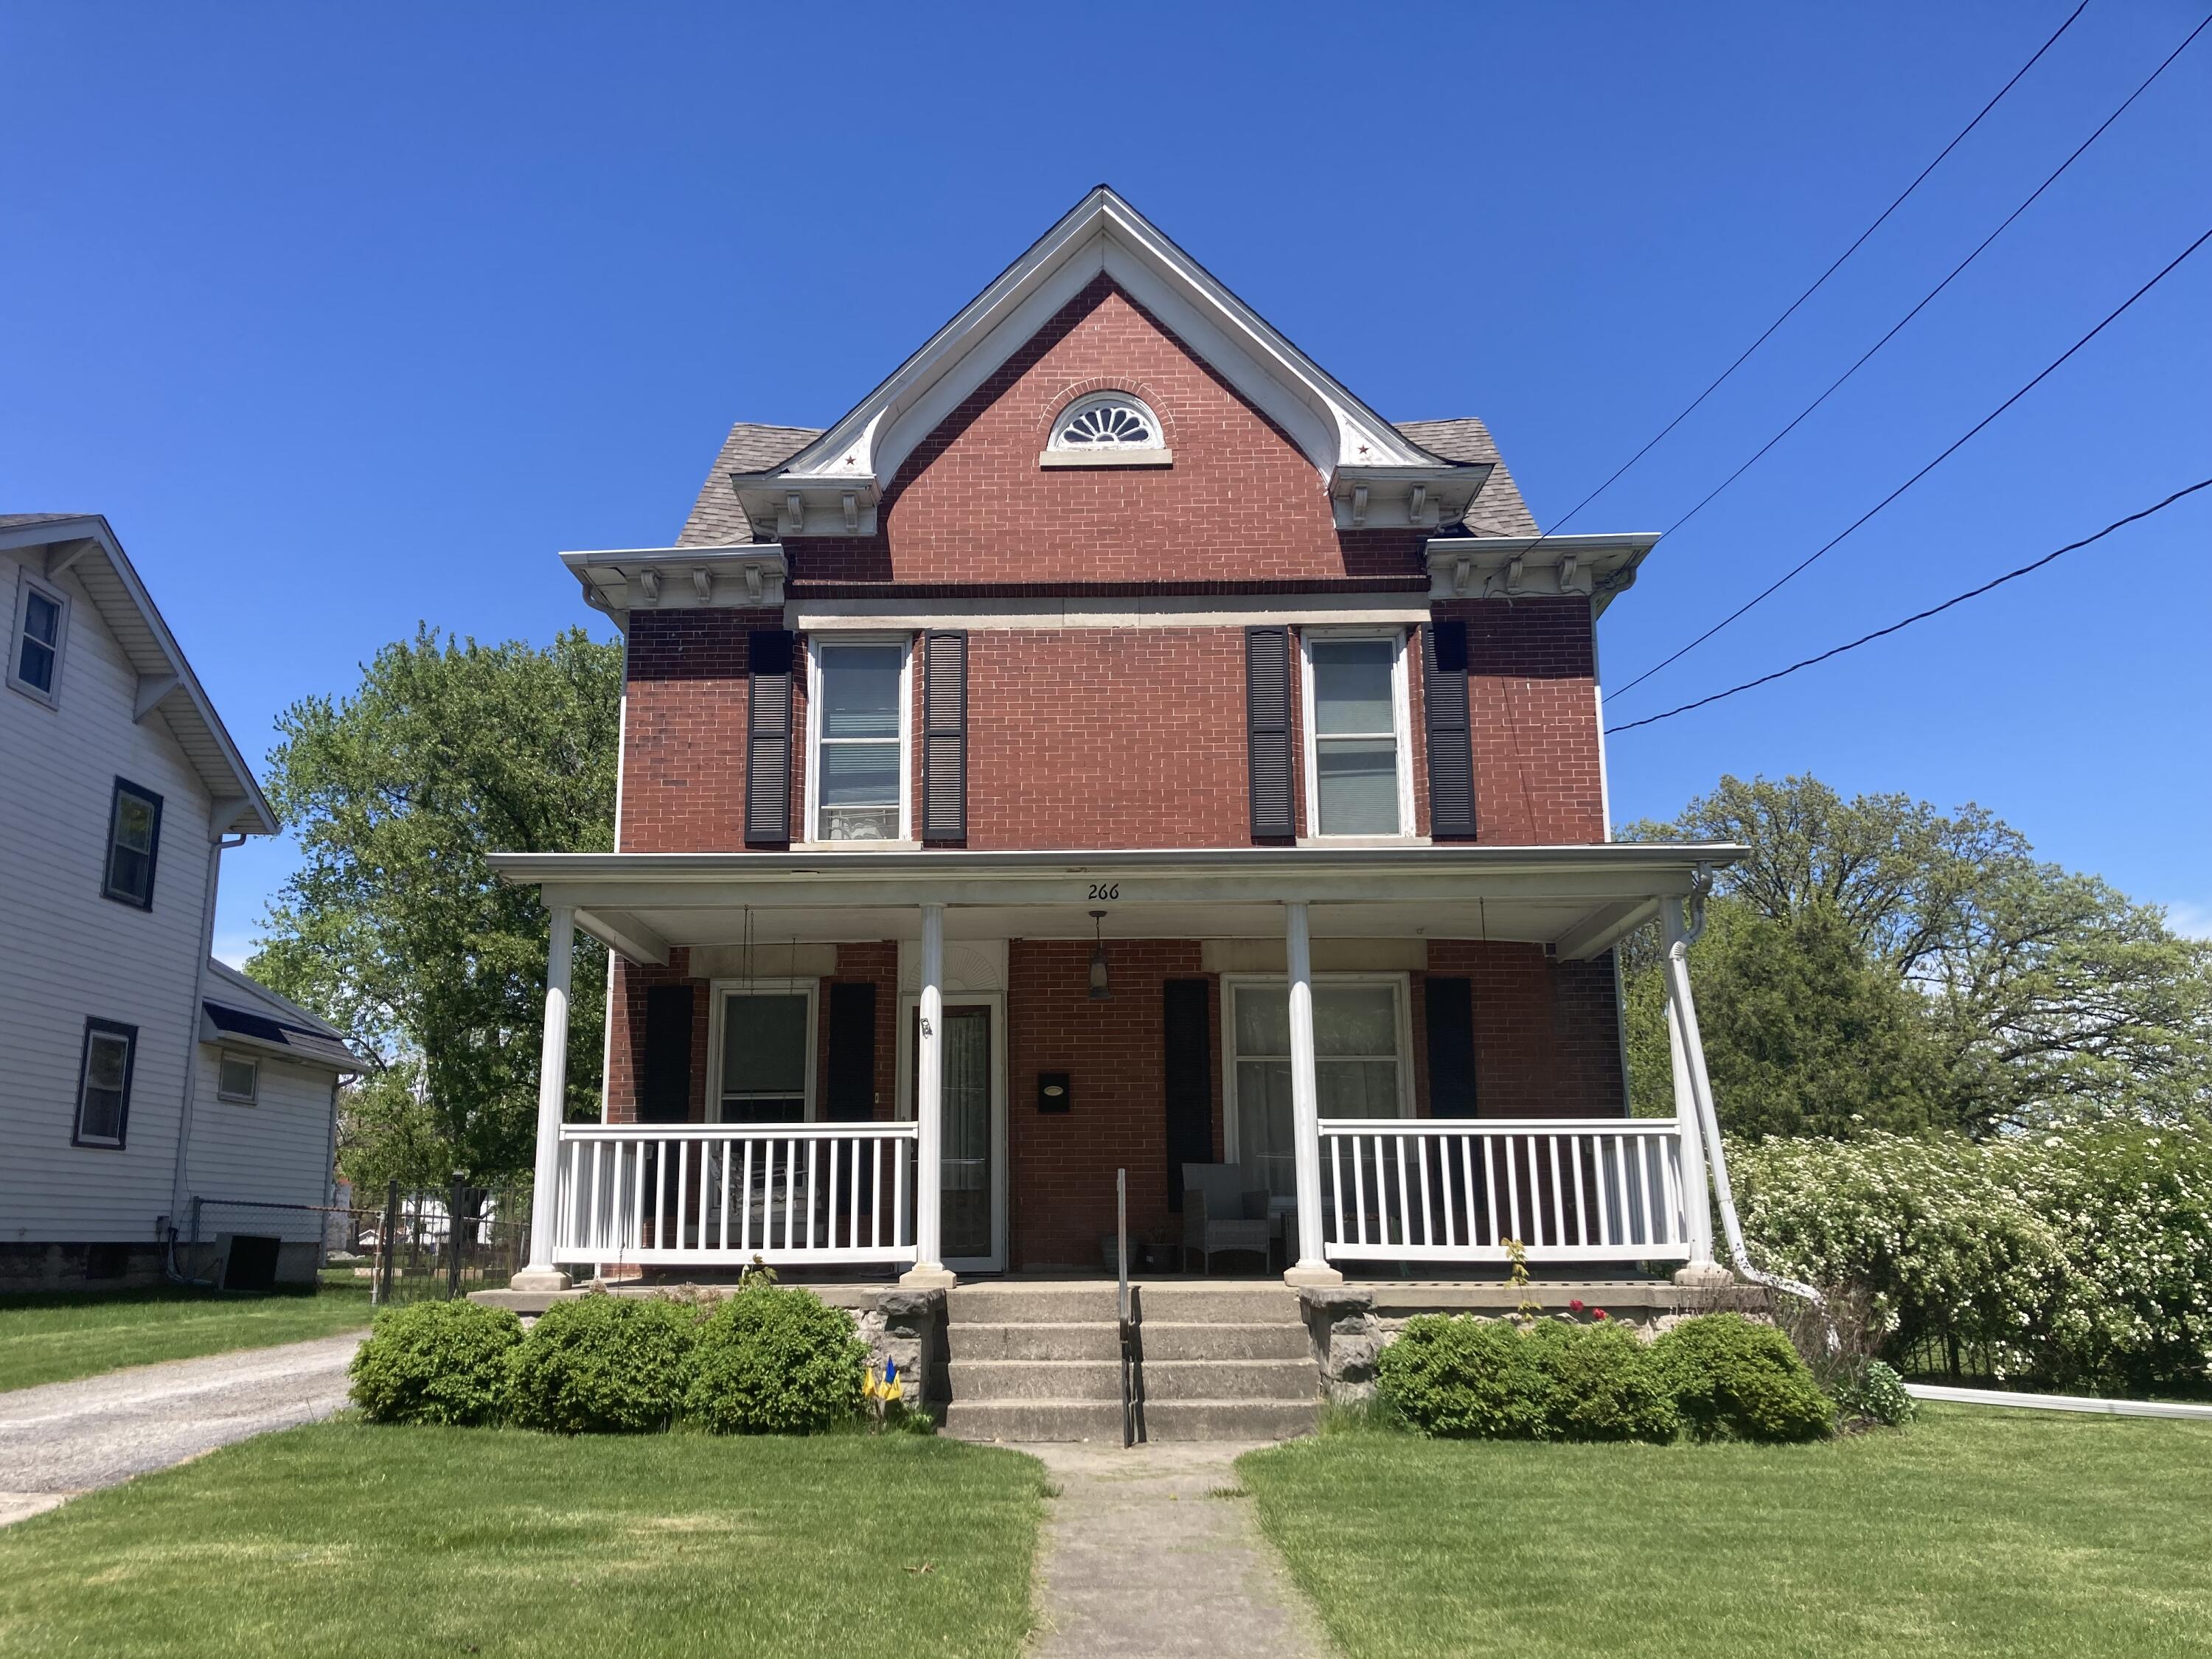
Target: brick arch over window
<point x="1068" y="396"/>
<point x="1241" y="503"/>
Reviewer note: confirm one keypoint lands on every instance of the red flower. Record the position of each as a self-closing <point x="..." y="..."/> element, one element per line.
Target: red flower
<point x="1598" y="1313"/>
<point x="1575" y="1305"/>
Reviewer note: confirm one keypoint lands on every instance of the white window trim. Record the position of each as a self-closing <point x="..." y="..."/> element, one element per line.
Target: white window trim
<point x="1401" y="714"/>
<point x="26" y="585"/>
<point x="814" y="648"/>
<point x="225" y="1056"/>
<point x="1054" y="445"/>
<point x="718" y="991"/>
<point x="1402" y="986"/>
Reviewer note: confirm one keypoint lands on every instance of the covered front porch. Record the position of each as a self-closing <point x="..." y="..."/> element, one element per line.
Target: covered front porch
<point x="1391" y="1059"/>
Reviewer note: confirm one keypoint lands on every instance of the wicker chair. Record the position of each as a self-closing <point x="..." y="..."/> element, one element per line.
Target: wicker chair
<point x="1216" y="1214"/>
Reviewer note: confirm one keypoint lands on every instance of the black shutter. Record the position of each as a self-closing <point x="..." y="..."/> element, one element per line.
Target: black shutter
<point x="1187" y="1046"/>
<point x="945" y="737"/>
<point x="850" y="1088"/>
<point x="1450" y="1009"/>
<point x="768" y="737"/>
<point x="1451" y="755"/>
<point x="664" y="1092"/>
<point x="1268" y="730"/>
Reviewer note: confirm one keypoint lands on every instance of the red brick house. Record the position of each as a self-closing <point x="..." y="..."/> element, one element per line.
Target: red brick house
<point x="1112" y="746"/>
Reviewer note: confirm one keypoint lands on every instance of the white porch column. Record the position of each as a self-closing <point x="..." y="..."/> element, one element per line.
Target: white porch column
<point x="1692" y="1090"/>
<point x="1311" y="1266"/>
<point x="552" y="1093"/>
<point x="929" y="1269"/>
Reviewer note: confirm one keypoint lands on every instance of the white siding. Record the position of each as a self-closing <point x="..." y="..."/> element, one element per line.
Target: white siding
<point x="276" y="1151"/>
<point x="66" y="952"/>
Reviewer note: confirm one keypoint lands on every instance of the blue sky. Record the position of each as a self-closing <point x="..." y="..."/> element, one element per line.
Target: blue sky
<point x="351" y="317"/>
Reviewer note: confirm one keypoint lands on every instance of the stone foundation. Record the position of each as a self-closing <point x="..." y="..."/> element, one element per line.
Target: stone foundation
<point x="79" y="1266"/>
<point x="1352" y="1324"/>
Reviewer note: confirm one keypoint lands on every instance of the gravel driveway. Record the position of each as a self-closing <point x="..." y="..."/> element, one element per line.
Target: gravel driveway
<point x="62" y="1439"/>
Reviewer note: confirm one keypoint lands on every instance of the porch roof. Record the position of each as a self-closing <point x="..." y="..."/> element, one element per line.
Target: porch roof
<point x="1582" y="900"/>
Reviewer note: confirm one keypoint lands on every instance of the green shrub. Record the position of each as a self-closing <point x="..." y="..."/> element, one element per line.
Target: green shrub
<point x="602" y="1365"/>
<point x="1601" y="1383"/>
<point x="1461" y="1377"/>
<point x="1876" y="1395"/>
<point x="1456" y="1376"/>
<point x="1732" y="1379"/>
<point x="775" y="1360"/>
<point x="435" y="1362"/>
<point x="2079" y="1259"/>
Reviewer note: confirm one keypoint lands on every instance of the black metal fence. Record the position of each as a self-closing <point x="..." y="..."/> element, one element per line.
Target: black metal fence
<point x="414" y="1246"/>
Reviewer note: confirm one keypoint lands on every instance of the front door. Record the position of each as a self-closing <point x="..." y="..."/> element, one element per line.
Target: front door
<point x="971" y="1181"/>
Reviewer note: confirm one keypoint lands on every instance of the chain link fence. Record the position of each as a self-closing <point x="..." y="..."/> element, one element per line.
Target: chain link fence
<point x="414" y="1246"/>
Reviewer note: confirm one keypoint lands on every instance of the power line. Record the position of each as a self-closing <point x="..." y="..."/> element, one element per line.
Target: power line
<point x="1792" y="310"/>
<point x="1956" y="270"/>
<point x="1922" y="615"/>
<point x="1956" y="445"/>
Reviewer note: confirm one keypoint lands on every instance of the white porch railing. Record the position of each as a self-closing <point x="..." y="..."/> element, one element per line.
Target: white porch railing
<point x="707" y="1194"/>
<point x="1448" y="1189"/>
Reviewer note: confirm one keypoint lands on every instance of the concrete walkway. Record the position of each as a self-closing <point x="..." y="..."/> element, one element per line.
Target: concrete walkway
<point x="1140" y="1557"/>
<point x="62" y="1439"/>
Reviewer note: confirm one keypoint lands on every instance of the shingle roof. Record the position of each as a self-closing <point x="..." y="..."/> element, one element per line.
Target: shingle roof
<point x="719" y="521"/>
<point x="1499" y="510"/>
<point x="14" y="521"/>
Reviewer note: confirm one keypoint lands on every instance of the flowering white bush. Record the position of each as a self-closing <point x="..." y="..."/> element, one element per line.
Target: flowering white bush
<point x="2076" y="1259"/>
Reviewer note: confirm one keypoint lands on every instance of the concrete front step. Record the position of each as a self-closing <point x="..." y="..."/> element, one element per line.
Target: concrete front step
<point x="1099" y="1341"/>
<point x="1177" y="1301"/>
<point x="1164" y="1419"/>
<point x="992" y="1381"/>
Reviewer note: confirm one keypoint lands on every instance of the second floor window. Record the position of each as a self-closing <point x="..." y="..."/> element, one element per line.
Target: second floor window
<point x="134" y="838"/>
<point x="34" y="663"/>
<point x="858" y="713"/>
<point x="1357" y="775"/>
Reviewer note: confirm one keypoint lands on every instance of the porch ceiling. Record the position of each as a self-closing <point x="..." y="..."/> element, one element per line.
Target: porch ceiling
<point x="1580" y="899"/>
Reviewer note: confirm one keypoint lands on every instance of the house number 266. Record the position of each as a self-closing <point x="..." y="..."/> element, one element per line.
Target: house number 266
<point x="1105" y="890"/>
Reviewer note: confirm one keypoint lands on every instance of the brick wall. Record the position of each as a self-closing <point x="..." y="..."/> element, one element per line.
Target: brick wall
<point x="970" y="504"/>
<point x="1061" y="1190"/>
<point x="1532" y="697"/>
<point x="1546" y="1041"/>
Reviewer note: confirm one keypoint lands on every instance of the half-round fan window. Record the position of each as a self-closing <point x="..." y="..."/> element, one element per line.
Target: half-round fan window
<point x="1112" y="420"/>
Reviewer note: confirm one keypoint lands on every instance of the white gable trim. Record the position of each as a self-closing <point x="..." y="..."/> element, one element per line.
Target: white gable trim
<point x="831" y="486"/>
<point x="87" y="547"/>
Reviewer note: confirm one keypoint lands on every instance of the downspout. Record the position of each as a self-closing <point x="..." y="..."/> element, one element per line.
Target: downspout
<point x="217" y="843"/>
<point x="1701" y="1090"/>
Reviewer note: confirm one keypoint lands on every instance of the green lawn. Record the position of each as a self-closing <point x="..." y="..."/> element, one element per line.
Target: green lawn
<point x="342" y="1537"/>
<point x="50" y="1337"/>
<point x="1976" y="1531"/>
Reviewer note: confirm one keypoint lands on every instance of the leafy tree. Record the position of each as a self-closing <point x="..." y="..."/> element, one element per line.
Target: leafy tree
<point x="393" y="927"/>
<point x="2042" y="994"/>
<point x="1802" y="1035"/>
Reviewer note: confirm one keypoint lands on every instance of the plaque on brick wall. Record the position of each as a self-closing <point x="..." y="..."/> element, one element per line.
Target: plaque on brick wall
<point x="1053" y="1093"/>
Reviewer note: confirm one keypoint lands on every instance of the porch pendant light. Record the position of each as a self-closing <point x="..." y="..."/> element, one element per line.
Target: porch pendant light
<point x="1098" y="990"/>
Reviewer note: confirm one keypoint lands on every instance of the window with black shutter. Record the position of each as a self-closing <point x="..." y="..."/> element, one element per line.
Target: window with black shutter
<point x="945" y="737"/>
<point x="1187" y="1044"/>
<point x="1449" y="1004"/>
<point x="768" y="737"/>
<point x="1451" y="754"/>
<point x="665" y="1090"/>
<point x="1268" y="730"/>
<point x="849" y="1089"/>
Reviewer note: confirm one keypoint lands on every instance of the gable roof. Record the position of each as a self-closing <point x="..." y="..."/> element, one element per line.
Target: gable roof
<point x="1374" y="474"/>
<point x="718" y="517"/>
<point x="84" y="544"/>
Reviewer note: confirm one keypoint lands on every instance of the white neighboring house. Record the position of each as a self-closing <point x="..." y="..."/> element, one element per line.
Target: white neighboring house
<point x="121" y="1044"/>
